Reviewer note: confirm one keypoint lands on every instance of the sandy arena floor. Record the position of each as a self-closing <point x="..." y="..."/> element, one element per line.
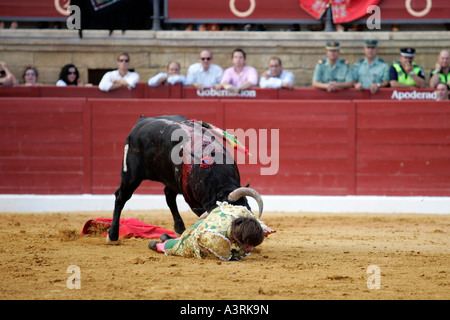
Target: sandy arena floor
<point x="312" y="256"/>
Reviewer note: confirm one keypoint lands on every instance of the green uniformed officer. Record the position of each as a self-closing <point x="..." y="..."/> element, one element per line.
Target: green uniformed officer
<point x="332" y="73"/>
<point x="370" y="72"/>
<point x="406" y="73"/>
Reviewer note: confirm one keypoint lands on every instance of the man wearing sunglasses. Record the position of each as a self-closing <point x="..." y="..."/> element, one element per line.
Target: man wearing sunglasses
<point x="204" y="74"/>
<point x="120" y="78"/>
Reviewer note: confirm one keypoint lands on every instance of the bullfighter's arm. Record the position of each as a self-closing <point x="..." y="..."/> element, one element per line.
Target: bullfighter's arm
<point x="215" y="243"/>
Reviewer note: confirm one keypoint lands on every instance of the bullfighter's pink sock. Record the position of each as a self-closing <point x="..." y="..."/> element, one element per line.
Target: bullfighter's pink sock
<point x="160" y="247"/>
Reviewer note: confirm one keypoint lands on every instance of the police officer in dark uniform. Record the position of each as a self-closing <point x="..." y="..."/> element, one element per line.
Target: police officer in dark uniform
<point x="406" y="73"/>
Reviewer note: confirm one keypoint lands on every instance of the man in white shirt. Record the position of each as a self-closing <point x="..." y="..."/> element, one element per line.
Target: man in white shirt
<point x="120" y="78"/>
<point x="172" y="76"/>
<point x="276" y="77"/>
<point x="204" y="74"/>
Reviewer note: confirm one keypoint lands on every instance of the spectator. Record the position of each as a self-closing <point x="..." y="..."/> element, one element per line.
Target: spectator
<point x="69" y="76"/>
<point x="30" y="76"/>
<point x="333" y="73"/>
<point x="13" y="25"/>
<point x="239" y="76"/>
<point x="172" y="76"/>
<point x="204" y="74"/>
<point x="120" y="78"/>
<point x="441" y="71"/>
<point x="441" y="91"/>
<point x="6" y="76"/>
<point x="406" y="73"/>
<point x="370" y="72"/>
<point x="276" y="77"/>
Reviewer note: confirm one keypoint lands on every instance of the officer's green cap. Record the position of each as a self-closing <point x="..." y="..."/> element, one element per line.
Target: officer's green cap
<point x="332" y="45"/>
<point x="371" y="43"/>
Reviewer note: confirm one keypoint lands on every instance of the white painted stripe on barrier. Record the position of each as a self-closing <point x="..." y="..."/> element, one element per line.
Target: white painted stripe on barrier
<point x="325" y="204"/>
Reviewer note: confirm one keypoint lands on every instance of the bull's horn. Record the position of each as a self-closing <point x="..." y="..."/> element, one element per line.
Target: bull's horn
<point x="244" y="191"/>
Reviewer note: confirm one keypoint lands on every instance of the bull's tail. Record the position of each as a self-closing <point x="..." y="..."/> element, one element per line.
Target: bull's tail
<point x="125" y="154"/>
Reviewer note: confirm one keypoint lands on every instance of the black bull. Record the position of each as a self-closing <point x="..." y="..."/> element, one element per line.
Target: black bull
<point x="149" y="154"/>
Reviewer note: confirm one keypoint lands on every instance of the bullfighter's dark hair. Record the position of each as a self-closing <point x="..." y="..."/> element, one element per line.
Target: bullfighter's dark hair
<point x="247" y="231"/>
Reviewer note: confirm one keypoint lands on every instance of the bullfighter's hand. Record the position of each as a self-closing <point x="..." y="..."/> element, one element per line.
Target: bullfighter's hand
<point x="268" y="231"/>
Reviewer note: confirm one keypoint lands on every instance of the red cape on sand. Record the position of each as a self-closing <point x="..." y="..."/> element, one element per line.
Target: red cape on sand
<point x="128" y="228"/>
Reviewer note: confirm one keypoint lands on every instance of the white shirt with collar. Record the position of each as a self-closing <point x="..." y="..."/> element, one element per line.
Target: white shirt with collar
<point x="276" y="82"/>
<point x="176" y="78"/>
<point x="132" y="78"/>
<point x="196" y="74"/>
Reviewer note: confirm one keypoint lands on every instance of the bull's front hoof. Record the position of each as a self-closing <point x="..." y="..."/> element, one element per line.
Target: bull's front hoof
<point x="111" y="242"/>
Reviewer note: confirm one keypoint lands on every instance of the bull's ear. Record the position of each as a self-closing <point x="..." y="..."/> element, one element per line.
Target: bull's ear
<point x="248" y="185"/>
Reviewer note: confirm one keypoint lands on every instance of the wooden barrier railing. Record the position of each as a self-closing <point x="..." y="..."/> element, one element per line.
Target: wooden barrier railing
<point x="340" y="147"/>
<point x="143" y="91"/>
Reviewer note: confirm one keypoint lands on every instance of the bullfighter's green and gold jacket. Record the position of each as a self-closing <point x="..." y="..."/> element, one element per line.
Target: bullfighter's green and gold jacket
<point x="212" y="235"/>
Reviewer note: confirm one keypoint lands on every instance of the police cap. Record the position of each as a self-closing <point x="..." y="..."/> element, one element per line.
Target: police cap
<point x="407" y="52"/>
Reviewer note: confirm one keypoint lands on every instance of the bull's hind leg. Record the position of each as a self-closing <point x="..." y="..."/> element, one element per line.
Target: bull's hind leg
<point x="171" y="197"/>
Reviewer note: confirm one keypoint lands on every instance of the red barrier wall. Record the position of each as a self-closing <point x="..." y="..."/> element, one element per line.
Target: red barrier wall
<point x="403" y="148"/>
<point x="42" y="146"/>
<point x="314" y="144"/>
<point x="143" y="91"/>
<point x="74" y="92"/>
<point x="72" y="146"/>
